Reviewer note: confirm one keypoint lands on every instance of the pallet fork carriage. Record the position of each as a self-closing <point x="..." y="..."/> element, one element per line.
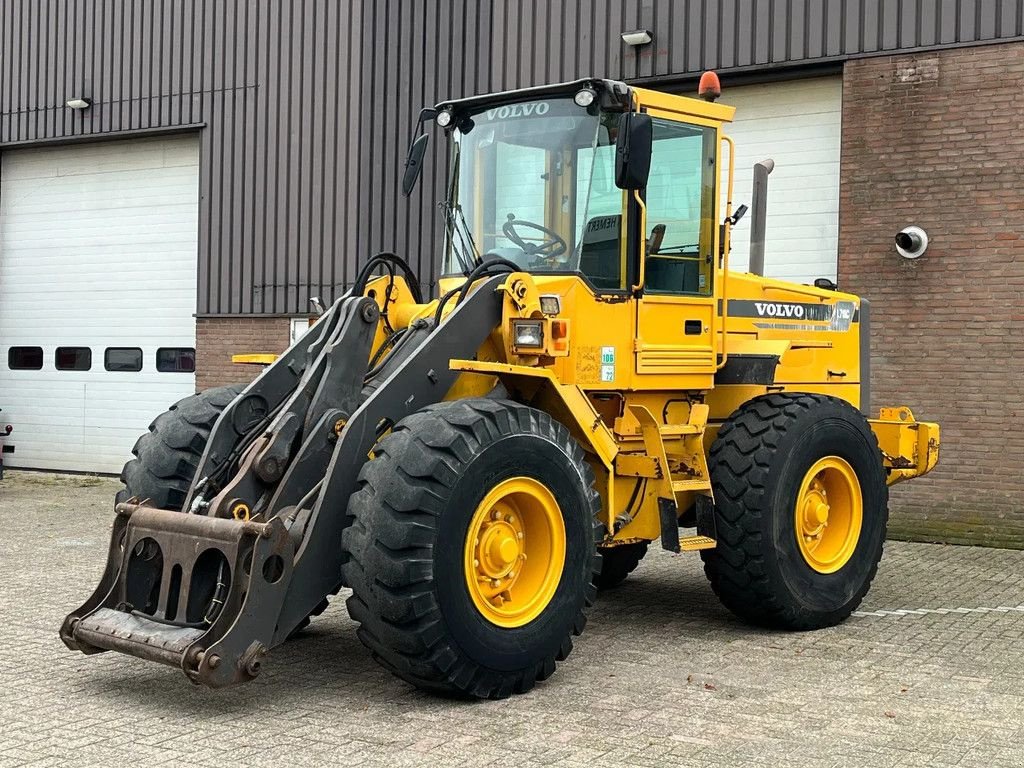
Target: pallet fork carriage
<point x="474" y="467"/>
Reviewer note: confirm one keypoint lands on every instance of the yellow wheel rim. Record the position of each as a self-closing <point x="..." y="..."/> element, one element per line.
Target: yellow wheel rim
<point x="515" y="552"/>
<point x="829" y="514"/>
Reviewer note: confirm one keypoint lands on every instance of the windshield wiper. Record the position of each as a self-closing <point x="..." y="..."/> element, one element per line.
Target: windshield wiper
<point x="455" y="224"/>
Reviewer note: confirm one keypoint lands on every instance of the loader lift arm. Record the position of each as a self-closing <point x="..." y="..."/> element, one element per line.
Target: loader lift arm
<point x="212" y="587"/>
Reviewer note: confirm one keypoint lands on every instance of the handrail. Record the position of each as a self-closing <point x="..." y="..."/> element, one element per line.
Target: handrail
<point x="641" y="274"/>
<point x="726" y="230"/>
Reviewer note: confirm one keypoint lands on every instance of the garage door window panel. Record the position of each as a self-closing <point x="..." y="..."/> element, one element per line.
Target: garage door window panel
<point x="122" y="359"/>
<point x="176" y="360"/>
<point x="73" y="358"/>
<point x="25" y="358"/>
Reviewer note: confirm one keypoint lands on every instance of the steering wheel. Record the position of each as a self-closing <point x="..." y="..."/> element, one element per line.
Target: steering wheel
<point x="550" y="248"/>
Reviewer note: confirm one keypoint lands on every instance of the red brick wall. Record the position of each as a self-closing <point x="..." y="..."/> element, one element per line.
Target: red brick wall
<point x="217" y="339"/>
<point x="936" y="140"/>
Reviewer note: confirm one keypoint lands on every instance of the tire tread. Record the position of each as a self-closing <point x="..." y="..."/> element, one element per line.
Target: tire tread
<point x="740" y="461"/>
<point x="388" y="545"/>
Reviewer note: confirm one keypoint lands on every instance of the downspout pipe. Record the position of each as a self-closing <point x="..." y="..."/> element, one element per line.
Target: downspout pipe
<point x="759" y="204"/>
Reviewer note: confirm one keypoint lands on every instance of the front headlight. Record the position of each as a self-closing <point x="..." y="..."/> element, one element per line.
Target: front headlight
<point x="528" y="333"/>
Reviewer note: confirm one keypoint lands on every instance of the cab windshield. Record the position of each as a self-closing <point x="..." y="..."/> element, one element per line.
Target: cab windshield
<point x="534" y="183"/>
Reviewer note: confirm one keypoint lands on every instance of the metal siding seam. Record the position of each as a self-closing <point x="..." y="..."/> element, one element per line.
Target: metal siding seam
<point x="241" y="292"/>
<point x="39" y="98"/>
<point x="4" y="77"/>
<point x="404" y="120"/>
<point x="342" y="141"/>
<point x="255" y="116"/>
<point x="204" y="279"/>
<point x="329" y="176"/>
<point x="177" y="49"/>
<point x="192" y="61"/>
<point x="34" y="92"/>
<point x="166" y="65"/>
<point x="429" y="185"/>
<point x="115" y="77"/>
<point x="388" y="136"/>
<point x="146" y="71"/>
<point x="328" y="131"/>
<point x="22" y="133"/>
<point x="133" y="70"/>
<point x="269" y="118"/>
<point x="237" y="251"/>
<point x="405" y="245"/>
<point x="221" y="186"/>
<point x="314" y="221"/>
<point x="282" y="256"/>
<point x="720" y="38"/>
<point x="87" y="121"/>
<point x="53" y="103"/>
<point x="353" y="161"/>
<point x="303" y="192"/>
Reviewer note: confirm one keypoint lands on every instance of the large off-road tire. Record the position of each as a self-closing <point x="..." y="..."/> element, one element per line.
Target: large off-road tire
<point x="166" y="457"/>
<point x="440" y="506"/>
<point x="801" y="507"/>
<point x="618" y="562"/>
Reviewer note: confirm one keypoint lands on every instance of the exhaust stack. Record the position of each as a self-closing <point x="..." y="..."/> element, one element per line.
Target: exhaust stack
<point x="759" y="202"/>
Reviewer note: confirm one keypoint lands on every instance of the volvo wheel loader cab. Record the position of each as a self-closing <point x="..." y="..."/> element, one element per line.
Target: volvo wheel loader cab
<point x="592" y="378"/>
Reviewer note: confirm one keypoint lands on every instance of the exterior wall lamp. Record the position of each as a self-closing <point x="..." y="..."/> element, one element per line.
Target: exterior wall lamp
<point x="637" y="37"/>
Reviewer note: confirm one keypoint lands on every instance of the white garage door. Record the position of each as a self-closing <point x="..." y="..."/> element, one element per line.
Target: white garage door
<point x="797" y="124"/>
<point x="97" y="296"/>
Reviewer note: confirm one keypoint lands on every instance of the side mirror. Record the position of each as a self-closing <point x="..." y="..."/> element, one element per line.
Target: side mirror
<point x="414" y="163"/>
<point x="414" y="158"/>
<point x="633" y="148"/>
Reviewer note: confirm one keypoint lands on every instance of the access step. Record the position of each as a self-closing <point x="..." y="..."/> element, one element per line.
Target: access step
<point x="695" y="543"/>
<point x="698" y="484"/>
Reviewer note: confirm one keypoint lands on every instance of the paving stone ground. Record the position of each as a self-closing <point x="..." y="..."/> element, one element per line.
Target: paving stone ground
<point x="662" y="676"/>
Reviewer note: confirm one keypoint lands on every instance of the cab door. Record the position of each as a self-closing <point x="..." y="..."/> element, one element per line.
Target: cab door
<point x="676" y="314"/>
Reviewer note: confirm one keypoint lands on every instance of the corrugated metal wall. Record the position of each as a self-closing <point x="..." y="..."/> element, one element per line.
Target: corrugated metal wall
<point x="305" y="107"/>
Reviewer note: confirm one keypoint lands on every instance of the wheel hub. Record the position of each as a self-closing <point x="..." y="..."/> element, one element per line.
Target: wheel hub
<point x="816" y="511"/>
<point x="829" y="514"/>
<point x="515" y="552"/>
<point x="499" y="548"/>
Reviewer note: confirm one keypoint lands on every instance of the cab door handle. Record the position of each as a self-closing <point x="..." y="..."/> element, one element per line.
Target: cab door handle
<point x="693" y="327"/>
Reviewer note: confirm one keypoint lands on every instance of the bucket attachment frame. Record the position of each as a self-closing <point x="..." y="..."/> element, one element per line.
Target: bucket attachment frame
<point x="298" y="435"/>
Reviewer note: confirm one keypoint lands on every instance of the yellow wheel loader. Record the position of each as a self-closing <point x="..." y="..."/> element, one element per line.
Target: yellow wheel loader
<point x="592" y="378"/>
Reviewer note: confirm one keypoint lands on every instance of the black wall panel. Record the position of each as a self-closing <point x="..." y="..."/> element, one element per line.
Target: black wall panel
<point x="304" y="107"/>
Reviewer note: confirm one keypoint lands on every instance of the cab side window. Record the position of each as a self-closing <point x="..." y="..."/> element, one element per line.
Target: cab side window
<point x="599" y="209"/>
<point x="680" y="210"/>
